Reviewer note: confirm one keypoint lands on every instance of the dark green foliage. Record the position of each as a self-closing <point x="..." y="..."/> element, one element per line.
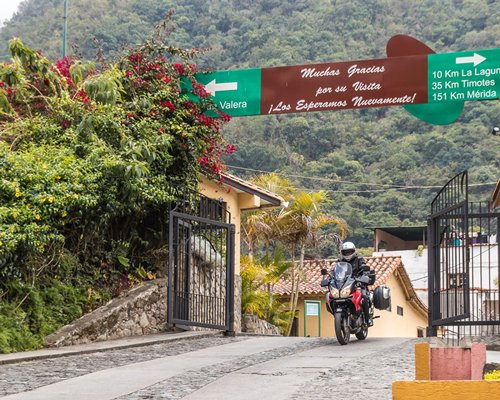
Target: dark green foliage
<point x="33" y="313"/>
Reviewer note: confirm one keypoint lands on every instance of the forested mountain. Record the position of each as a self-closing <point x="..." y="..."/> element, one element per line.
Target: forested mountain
<point x="359" y="156"/>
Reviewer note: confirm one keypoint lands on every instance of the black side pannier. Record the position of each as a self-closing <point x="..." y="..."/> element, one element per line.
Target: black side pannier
<point x="382" y="297"/>
<point x="371" y="275"/>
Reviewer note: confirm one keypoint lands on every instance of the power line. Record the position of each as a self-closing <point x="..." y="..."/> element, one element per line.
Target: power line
<point x="389" y="187"/>
<point x="317" y="178"/>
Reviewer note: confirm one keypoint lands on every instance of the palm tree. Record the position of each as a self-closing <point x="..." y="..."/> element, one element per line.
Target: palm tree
<point x="297" y="226"/>
<point x="275" y="183"/>
<point x="256" y="227"/>
<point x="260" y="226"/>
<point x="300" y="226"/>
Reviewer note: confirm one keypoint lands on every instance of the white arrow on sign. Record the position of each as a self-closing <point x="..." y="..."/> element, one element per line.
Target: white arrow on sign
<point x="213" y="87"/>
<point x="476" y="59"/>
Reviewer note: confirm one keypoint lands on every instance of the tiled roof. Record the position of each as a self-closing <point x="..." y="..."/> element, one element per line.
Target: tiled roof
<point x="384" y="267"/>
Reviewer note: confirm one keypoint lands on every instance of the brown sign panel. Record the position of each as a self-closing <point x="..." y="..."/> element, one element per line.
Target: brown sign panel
<point x="352" y="84"/>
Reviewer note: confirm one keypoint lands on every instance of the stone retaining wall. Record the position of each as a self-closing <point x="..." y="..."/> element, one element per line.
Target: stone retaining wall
<point x="142" y="310"/>
<point x="252" y="324"/>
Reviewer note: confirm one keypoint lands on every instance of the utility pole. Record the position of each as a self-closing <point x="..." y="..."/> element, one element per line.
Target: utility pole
<point x="65" y="28"/>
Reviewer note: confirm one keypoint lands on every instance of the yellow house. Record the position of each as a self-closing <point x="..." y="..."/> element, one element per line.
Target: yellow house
<point x="407" y="316"/>
<point x="238" y="195"/>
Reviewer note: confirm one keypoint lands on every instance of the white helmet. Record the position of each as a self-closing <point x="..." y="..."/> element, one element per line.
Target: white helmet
<point x="348" y="251"/>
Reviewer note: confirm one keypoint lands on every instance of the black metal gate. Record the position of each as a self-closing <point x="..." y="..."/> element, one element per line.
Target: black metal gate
<point x="201" y="267"/>
<point x="463" y="265"/>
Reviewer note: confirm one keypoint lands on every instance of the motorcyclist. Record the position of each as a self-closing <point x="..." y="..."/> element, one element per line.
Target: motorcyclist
<point x="359" y="266"/>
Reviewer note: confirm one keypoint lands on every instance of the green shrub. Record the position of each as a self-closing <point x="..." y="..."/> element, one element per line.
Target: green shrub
<point x="37" y="312"/>
<point x="15" y="333"/>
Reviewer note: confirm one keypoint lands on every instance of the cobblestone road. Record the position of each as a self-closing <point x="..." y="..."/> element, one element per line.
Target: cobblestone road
<point x="15" y="378"/>
<point x="364" y="369"/>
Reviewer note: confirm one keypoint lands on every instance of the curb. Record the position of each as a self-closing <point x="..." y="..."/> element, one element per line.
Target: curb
<point x="117" y="344"/>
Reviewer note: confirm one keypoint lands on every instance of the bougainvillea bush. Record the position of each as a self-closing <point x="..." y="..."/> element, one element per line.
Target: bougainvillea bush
<point x="91" y="154"/>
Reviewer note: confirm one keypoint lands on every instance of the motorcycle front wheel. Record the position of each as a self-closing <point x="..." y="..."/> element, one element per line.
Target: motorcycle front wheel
<point x="362" y="333"/>
<point x="342" y="330"/>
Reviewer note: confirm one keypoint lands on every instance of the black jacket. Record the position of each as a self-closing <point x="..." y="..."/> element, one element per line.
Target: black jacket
<point x="358" y="264"/>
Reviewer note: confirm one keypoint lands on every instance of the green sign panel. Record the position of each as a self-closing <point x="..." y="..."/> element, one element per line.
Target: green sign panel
<point x="236" y="92"/>
<point x="468" y="75"/>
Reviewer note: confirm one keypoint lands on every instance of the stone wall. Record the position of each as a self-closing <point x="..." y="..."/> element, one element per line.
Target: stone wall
<point x="140" y="311"/>
<point x="237" y="303"/>
<point x="252" y="324"/>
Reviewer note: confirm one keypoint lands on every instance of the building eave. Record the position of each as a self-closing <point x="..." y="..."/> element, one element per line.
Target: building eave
<point x="273" y="199"/>
<point x="410" y="293"/>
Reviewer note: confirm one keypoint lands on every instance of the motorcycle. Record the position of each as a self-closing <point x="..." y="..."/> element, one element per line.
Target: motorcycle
<point x="343" y="300"/>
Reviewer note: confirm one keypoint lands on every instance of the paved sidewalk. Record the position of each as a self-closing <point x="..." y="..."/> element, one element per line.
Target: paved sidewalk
<point x="135" y="341"/>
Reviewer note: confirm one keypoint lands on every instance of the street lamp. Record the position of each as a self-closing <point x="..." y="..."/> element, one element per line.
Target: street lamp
<point x="65" y="28"/>
<point x="495" y="131"/>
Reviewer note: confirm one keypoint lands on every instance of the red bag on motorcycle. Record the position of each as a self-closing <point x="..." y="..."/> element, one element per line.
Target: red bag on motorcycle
<point x="382" y="297"/>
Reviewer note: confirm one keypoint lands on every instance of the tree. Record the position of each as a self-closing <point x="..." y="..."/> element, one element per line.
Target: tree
<point x="260" y="226"/>
<point x="299" y="226"/>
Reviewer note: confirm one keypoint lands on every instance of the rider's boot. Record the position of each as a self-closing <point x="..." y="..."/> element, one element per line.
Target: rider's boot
<point x="366" y="312"/>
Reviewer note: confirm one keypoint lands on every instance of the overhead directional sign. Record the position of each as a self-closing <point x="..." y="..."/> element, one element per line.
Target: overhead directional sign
<point x="393" y="81"/>
<point x="473" y="75"/>
<point x="237" y="92"/>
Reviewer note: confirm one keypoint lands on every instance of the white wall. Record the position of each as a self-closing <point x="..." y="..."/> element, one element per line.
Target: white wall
<point x="415" y="266"/>
<point x="484" y="264"/>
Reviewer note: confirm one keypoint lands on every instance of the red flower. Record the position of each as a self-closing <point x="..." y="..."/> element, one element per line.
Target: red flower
<point x="179" y="68"/>
<point x="200" y="90"/>
<point x="135" y="57"/>
<point x="63" y="66"/>
<point x="82" y="96"/>
<point x="65" y="123"/>
<point x="230" y="149"/>
<point x="203" y="161"/>
<point x="225" y="117"/>
<point x="167" y="104"/>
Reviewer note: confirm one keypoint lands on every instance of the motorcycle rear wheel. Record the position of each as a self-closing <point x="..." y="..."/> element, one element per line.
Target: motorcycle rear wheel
<point x="342" y="330"/>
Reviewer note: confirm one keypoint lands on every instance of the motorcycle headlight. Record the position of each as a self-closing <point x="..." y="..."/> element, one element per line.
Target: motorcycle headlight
<point x="334" y="292"/>
<point x="346" y="292"/>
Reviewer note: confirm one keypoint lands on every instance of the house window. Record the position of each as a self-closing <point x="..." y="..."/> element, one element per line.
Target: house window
<point x="420" y="332"/>
<point x="400" y="310"/>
